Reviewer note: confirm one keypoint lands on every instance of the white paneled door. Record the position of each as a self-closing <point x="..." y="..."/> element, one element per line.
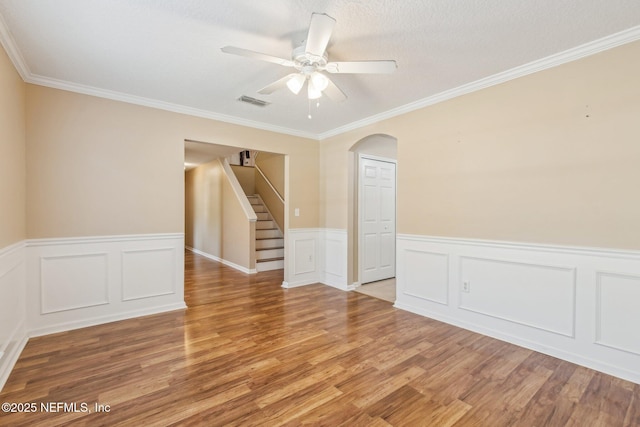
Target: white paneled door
<point x="377" y="182"/>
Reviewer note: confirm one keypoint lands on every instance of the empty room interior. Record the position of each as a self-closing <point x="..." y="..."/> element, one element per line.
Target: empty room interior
<point x="322" y="212"/>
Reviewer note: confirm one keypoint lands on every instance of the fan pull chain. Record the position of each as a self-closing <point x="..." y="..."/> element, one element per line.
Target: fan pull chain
<point x="309" y="116"/>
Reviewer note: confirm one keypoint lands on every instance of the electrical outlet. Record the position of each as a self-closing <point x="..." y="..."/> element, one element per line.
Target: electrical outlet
<point x="466" y="287"/>
<point x="310" y="258"/>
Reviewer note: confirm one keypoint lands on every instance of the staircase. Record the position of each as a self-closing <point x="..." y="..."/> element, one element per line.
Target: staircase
<point x="269" y="240"/>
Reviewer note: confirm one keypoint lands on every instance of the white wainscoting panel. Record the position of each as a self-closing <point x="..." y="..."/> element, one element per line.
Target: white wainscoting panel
<point x="148" y="273"/>
<point x="306" y="255"/>
<point x="13" y="317"/>
<point x="334" y="244"/>
<point x="78" y="282"/>
<point x="540" y="296"/>
<point x="316" y="255"/>
<point x="303" y="263"/>
<point x="577" y="304"/>
<point x="68" y="282"/>
<point x="618" y="311"/>
<point x="426" y="275"/>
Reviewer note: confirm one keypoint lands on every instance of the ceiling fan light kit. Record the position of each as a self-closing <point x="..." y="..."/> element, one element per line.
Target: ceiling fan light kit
<point x="310" y="60"/>
<point x="296" y="82"/>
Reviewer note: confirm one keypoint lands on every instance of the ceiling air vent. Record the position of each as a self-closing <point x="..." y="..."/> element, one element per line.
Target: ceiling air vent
<point x="254" y="101"/>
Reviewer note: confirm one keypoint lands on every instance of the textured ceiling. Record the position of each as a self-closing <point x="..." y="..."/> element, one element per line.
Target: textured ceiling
<point x="167" y="52"/>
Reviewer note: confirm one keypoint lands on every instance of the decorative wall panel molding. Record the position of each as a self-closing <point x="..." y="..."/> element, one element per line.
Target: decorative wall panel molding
<point x="617" y="311"/>
<point x="426" y="275"/>
<point x="78" y="282"/>
<point x="148" y="273"/>
<point x="302" y="266"/>
<point x="516" y="292"/>
<point x="575" y="303"/>
<point x="316" y="255"/>
<point x="69" y="282"/>
<point x="334" y="250"/>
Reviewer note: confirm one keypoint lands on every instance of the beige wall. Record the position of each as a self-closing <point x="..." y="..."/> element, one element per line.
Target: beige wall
<point x="272" y="165"/>
<point x="102" y="167"/>
<point x="272" y="202"/>
<point x="12" y="154"/>
<point x="550" y="158"/>
<point x="238" y="234"/>
<point x="203" y="208"/>
<point x="214" y="220"/>
<point x="246" y="178"/>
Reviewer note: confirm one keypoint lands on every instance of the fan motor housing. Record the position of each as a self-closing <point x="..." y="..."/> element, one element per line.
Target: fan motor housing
<point x="307" y="62"/>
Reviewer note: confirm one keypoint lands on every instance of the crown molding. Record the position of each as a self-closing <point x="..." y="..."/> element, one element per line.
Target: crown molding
<point x="9" y="45"/>
<point x="623" y="37"/>
<point x="161" y="105"/>
<point x="609" y="42"/>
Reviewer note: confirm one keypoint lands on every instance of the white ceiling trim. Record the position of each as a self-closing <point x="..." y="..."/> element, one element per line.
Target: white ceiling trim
<point x="161" y="105"/>
<point x="605" y="43"/>
<point x="12" y="50"/>
<point x="587" y="49"/>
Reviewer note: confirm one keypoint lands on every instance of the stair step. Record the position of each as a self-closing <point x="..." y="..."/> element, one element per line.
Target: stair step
<point x="270" y="264"/>
<point x="269" y="253"/>
<point x="263" y="215"/>
<point x="258" y="208"/>
<point x="265" y="224"/>
<point x="272" y="233"/>
<point x="269" y="243"/>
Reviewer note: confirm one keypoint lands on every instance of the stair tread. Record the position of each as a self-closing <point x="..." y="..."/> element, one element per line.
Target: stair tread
<point x="270" y="259"/>
<point x="268" y="249"/>
<point x="269" y="238"/>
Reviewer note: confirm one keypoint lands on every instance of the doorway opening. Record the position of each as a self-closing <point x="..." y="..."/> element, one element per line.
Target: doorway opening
<point x="236" y="203"/>
<point x="372" y="213"/>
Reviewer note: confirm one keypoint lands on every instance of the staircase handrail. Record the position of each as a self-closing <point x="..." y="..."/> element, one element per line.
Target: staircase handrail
<point x="269" y="183"/>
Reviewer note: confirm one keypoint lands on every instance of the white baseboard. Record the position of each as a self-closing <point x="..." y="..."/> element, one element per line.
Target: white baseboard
<point x="569" y="302"/>
<point x="222" y="261"/>
<point x="83" y="323"/>
<point x="289" y="285"/>
<point x="8" y="359"/>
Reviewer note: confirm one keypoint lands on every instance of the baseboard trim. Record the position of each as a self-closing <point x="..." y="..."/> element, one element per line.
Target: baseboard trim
<point x="289" y="285"/>
<point x="9" y="358"/>
<point x="233" y="265"/>
<point x="69" y="326"/>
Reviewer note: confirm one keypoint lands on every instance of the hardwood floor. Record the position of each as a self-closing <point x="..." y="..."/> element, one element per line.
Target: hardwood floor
<point x="247" y="352"/>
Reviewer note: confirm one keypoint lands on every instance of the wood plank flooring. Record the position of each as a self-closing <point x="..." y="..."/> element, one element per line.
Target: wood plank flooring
<point x="248" y="353"/>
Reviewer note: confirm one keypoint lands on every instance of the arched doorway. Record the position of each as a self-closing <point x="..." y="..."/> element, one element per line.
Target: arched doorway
<point x="366" y="240"/>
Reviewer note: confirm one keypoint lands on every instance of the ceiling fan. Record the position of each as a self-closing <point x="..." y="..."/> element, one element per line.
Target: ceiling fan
<point x="310" y="60"/>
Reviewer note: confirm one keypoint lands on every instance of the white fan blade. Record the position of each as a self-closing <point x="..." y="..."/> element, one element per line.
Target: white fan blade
<point x="278" y="84"/>
<point x="319" y="34"/>
<point x="257" y="55"/>
<point x="334" y="93"/>
<point x="362" y="67"/>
